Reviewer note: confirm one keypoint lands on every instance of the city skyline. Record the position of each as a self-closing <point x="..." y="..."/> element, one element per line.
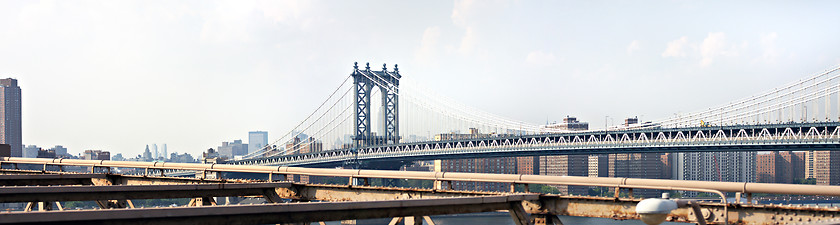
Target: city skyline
<point x="193" y="75"/>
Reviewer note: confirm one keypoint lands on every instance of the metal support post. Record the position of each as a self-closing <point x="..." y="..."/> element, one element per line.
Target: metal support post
<point x="520" y="217"/>
<point x="545" y="219"/>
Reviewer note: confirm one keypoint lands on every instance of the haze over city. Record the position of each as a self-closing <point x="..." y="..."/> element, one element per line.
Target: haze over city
<point x="119" y="75"/>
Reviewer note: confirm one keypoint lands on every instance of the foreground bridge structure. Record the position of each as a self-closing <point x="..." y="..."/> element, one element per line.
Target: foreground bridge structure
<point x="292" y="203"/>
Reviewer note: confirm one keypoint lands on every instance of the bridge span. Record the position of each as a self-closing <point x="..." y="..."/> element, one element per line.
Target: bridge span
<point x="417" y="124"/>
<point x="286" y="202"/>
<point x="765" y="137"/>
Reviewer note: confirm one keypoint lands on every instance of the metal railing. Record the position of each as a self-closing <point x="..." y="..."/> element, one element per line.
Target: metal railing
<point x="628" y="183"/>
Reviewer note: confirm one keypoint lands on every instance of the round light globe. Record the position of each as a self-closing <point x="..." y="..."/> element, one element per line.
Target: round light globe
<point x="655" y="210"/>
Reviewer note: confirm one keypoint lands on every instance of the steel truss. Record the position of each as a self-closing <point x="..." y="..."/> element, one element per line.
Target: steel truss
<point x="809" y="136"/>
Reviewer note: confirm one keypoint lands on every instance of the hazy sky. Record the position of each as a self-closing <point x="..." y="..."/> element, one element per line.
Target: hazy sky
<point x="117" y="75"/>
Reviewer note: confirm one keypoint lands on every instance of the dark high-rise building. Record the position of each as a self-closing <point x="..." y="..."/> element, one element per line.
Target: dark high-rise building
<point x="827" y="167"/>
<point x="10" y="132"/>
<point x="780" y="167"/>
<point x="637" y="165"/>
<point x="566" y="165"/>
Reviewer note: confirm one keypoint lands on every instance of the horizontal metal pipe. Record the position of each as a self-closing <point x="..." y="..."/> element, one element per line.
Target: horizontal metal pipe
<point x="743" y="187"/>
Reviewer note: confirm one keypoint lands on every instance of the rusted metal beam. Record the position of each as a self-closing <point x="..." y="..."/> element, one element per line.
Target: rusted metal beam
<point x="624" y="209"/>
<point x="271" y="213"/>
<point x="583" y="206"/>
<point x="47" y="179"/>
<point x="340" y="193"/>
<point x="85" y="193"/>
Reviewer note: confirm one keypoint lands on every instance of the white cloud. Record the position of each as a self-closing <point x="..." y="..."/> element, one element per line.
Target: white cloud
<point x="283" y="11"/>
<point x="468" y="42"/>
<point x="460" y="11"/>
<point x="713" y="46"/>
<point x="427" y="52"/>
<point x="31" y="15"/>
<point x="541" y="58"/>
<point x="768" y="44"/>
<point x="634" y="46"/>
<point x="239" y="20"/>
<point x="676" y="48"/>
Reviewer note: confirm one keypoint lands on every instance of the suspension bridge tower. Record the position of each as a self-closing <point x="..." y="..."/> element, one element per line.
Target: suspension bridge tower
<point x="388" y="82"/>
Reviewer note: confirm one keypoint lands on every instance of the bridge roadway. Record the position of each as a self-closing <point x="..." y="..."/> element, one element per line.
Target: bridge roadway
<point x="768" y="137"/>
<point x="363" y="201"/>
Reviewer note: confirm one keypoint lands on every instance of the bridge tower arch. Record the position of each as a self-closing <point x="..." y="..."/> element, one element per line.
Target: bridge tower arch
<point x="388" y="83"/>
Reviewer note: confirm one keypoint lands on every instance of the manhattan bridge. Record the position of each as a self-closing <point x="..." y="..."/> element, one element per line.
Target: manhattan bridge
<point x="372" y="121"/>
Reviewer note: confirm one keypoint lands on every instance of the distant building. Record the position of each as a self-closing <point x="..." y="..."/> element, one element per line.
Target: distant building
<point x="667" y="171"/>
<point x="163" y="152"/>
<point x="210" y="156"/>
<point x="31" y="151"/>
<point x="780" y="167"/>
<point x="715" y="166"/>
<point x="566" y="165"/>
<point x="181" y="158"/>
<point x="569" y="123"/>
<point x="60" y="151"/>
<point x="810" y="161"/>
<point x="631" y="165"/>
<point x="155" y="153"/>
<point x="11" y="132"/>
<point x="5" y="150"/>
<point x="827" y="167"/>
<point x="118" y="157"/>
<point x="528" y="165"/>
<point x="637" y="165"/>
<point x="422" y="166"/>
<point x="147" y="155"/>
<point x="501" y="165"/>
<point x="231" y="149"/>
<point x="599" y="166"/>
<point x="302" y="146"/>
<point x="47" y="154"/>
<point x="474" y="133"/>
<point x="97" y="155"/>
<point x="257" y="140"/>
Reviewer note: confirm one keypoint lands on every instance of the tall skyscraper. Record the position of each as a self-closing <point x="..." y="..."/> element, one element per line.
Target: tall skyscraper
<point x="257" y="140"/>
<point x="147" y="155"/>
<point x="11" y="113"/>
<point x="155" y="153"/>
<point x="163" y="152"/>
